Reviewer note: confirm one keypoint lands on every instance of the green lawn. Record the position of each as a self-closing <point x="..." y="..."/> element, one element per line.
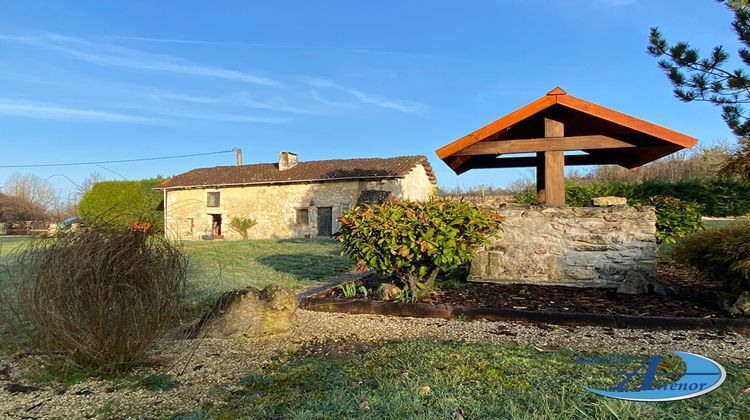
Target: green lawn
<point x="217" y="266"/>
<point x="431" y="380"/>
<point x="8" y="244"/>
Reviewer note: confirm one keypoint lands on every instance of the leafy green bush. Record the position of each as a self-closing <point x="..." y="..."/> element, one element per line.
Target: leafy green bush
<point x="242" y="226"/>
<point x="718" y="197"/>
<point x="580" y="195"/>
<point x="722" y="253"/>
<point x="527" y="196"/>
<point x="674" y="218"/>
<point x="120" y="203"/>
<point x="414" y="241"/>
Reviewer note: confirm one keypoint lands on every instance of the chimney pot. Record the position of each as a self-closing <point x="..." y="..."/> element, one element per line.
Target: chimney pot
<point x="287" y="160"/>
<point x="239" y="157"/>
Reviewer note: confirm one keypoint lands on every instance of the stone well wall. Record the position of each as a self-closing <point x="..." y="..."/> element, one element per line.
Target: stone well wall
<point x="570" y="246"/>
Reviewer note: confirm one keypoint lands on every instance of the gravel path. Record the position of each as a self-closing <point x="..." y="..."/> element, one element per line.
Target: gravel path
<point x="210" y="369"/>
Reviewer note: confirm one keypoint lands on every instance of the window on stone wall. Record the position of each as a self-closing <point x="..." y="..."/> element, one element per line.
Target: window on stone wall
<point x="303" y="217"/>
<point x="191" y="225"/>
<point x="213" y="199"/>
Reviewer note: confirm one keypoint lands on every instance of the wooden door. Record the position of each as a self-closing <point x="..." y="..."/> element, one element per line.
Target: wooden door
<point x="325" y="221"/>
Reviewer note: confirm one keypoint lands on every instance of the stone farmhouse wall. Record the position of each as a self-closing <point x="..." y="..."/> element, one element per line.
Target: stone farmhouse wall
<point x="274" y="207"/>
<point x="570" y="246"/>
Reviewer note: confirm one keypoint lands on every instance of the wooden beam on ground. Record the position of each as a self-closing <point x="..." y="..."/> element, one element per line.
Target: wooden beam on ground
<point x="544" y="145"/>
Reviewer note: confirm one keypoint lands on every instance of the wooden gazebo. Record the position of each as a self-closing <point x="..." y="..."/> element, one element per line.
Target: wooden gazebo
<point x="553" y="125"/>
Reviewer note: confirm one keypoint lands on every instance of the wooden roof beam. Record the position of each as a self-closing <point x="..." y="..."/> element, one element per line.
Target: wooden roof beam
<point x="531" y="161"/>
<point x="543" y="145"/>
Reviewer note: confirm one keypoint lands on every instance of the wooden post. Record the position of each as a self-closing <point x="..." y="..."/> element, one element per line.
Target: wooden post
<point x="540" y="196"/>
<point x="554" y="167"/>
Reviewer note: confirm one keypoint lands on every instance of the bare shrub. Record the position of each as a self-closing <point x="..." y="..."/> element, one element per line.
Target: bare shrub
<point x="101" y="297"/>
<point x="697" y="163"/>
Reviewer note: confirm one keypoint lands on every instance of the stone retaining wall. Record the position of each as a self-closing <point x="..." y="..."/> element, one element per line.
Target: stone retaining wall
<point x="570" y="246"/>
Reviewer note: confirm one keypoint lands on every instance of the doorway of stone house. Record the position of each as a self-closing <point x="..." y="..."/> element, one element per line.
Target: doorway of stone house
<point x="325" y="221"/>
<point x="216" y="226"/>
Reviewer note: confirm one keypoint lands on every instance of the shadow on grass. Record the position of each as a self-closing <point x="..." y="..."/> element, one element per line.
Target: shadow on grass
<point x="307" y="266"/>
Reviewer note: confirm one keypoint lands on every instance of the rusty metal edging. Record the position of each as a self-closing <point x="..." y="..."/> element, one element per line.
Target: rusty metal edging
<point x="444" y="311"/>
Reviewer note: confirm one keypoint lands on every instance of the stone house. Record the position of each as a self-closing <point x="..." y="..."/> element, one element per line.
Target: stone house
<point x="288" y="199"/>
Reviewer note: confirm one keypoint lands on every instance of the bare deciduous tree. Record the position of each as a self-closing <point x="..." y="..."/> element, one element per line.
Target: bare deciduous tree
<point x="88" y="183"/>
<point x="35" y="196"/>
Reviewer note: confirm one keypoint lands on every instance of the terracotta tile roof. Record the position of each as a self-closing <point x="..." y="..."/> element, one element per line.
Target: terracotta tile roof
<point x="318" y="170"/>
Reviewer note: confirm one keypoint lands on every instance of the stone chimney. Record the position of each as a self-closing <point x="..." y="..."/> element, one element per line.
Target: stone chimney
<point x="239" y="156"/>
<point x="287" y="160"/>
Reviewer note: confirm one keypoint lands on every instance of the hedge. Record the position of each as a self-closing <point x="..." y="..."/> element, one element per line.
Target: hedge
<point x="723" y="254"/>
<point x="120" y="203"/>
<point x="718" y="197"/>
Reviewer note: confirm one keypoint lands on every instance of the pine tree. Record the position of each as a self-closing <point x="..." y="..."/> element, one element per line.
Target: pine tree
<point x="710" y="79"/>
<point x="707" y="79"/>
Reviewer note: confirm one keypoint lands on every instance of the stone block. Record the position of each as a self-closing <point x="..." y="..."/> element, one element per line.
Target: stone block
<point x="581" y="273"/>
<point x="742" y="306"/>
<point x="248" y="312"/>
<point x="480" y="265"/>
<point x="636" y="283"/>
<point x="389" y="291"/>
<point x="609" y="201"/>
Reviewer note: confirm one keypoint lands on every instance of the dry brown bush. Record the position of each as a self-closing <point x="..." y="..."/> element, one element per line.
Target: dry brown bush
<point x="698" y="163"/>
<point x="100" y="297"/>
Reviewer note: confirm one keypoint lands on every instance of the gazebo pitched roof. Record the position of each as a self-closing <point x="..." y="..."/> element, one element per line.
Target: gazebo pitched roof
<point x="605" y="135"/>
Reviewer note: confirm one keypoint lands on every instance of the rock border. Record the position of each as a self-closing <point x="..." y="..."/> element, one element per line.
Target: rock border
<point x="445" y="311"/>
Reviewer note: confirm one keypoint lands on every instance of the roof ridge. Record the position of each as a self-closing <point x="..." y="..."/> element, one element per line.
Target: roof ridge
<point x="313" y="161"/>
<point x="314" y="170"/>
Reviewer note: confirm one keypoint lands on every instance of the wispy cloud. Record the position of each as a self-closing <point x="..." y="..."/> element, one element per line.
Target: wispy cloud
<point x="49" y="111"/>
<point x="614" y="3"/>
<point x="161" y="96"/>
<point x="316" y="96"/>
<point x="165" y="40"/>
<point x="112" y="55"/>
<point x="241" y="99"/>
<point x="222" y="117"/>
<point x="400" y="105"/>
<point x="379" y="101"/>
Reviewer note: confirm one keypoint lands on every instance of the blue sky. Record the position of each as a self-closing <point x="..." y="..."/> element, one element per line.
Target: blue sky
<point x="84" y="81"/>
